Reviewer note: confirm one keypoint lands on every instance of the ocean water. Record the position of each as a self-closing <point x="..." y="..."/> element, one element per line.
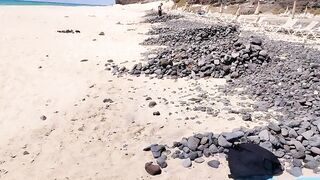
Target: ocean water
<point x="30" y="2"/>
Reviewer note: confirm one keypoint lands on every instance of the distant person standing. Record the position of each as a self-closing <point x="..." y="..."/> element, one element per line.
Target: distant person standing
<point x="160" y="9"/>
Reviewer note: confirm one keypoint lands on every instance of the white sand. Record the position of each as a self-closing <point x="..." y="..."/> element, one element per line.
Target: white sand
<point x="81" y="137"/>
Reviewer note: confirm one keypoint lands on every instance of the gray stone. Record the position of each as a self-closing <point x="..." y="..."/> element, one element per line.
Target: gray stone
<point x="315" y="150"/>
<point x="267" y="145"/>
<point x="297" y="162"/>
<point x="294" y="123"/>
<point x="214" y="163"/>
<point x="184" y="142"/>
<point x="256" y="41"/>
<point x="274" y="140"/>
<point x="263" y="53"/>
<point x="284" y="132"/>
<point x="152" y="104"/>
<point x="206" y="152"/>
<point x="314" y="141"/>
<point x="233" y="135"/>
<point x="186" y="149"/>
<point x="295" y="171"/>
<point x="274" y="127"/>
<point x="254" y="139"/>
<point x="298" y="145"/>
<point x="204" y="140"/>
<point x="264" y="135"/>
<point x="299" y="138"/>
<point x="223" y="142"/>
<point x="192" y="155"/>
<point x="312" y="164"/>
<point x="182" y="155"/>
<point x="308" y="158"/>
<point x="193" y="143"/>
<point x="292" y="133"/>
<point x="156" y="154"/>
<point x="158" y="148"/>
<point x="199" y="160"/>
<point x="297" y="154"/>
<point x="148" y="148"/>
<point x="202" y="147"/>
<point x="161" y="161"/>
<point x="216" y="62"/>
<point x="308" y="134"/>
<point x="186" y="163"/>
<point x="247" y="117"/>
<point x="279" y="153"/>
<point x="213" y="149"/>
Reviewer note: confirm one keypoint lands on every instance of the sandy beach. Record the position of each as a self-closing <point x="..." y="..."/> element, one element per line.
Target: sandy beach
<point x="96" y="123"/>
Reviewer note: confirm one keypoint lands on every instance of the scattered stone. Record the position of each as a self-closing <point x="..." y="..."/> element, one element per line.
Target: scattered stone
<point x="297" y="162"/>
<point x="214" y="163"/>
<point x="312" y="164"/>
<point x="152" y="104"/>
<point x="233" y="135"/>
<point x="314" y="141"/>
<point x="247" y="117"/>
<point x="186" y="163"/>
<point x="156" y="113"/>
<point x="107" y="100"/>
<point x="308" y="134"/>
<point x="101" y="34"/>
<point x="264" y="135"/>
<point x="193" y="143"/>
<point x="43" y="117"/>
<point x="152" y="169"/>
<point x="199" y="160"/>
<point x="295" y="171"/>
<point x="223" y="142"/>
<point x="161" y="161"/>
<point x="274" y="127"/>
<point x="315" y="150"/>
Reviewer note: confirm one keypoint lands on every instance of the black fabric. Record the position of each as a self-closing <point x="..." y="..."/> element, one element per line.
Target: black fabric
<point x="248" y="160"/>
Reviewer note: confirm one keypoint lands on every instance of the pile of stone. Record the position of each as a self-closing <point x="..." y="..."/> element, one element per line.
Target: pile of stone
<point x="214" y="51"/>
<point x="68" y="31"/>
<point x="290" y="84"/>
<point x="153" y="17"/>
<point x="295" y="142"/>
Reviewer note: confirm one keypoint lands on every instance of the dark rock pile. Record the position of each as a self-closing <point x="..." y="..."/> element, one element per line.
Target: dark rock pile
<point x="296" y="142"/>
<point x="290" y="84"/>
<point x="153" y="17"/>
<point x="214" y="51"/>
<point x="68" y="31"/>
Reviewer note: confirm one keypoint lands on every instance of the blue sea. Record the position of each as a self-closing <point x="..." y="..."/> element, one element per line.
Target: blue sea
<point x="30" y="2"/>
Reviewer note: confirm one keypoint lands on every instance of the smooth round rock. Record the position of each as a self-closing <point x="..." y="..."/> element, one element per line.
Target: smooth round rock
<point x="152" y="104"/>
<point x="152" y="169"/>
<point x="186" y="163"/>
<point x="295" y="171"/>
<point x="199" y="160"/>
<point x="193" y="143"/>
<point x="214" y="163"/>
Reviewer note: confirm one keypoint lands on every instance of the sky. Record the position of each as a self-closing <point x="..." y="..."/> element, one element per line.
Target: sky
<point x="95" y="2"/>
